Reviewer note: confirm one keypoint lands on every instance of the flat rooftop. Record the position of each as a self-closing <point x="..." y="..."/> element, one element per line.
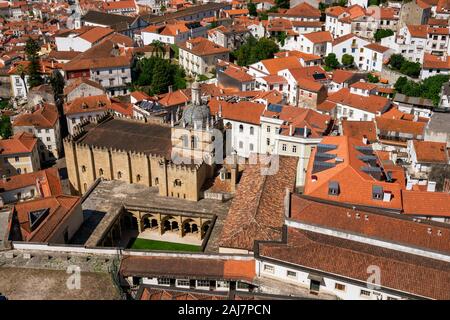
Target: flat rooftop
<point x="104" y="203"/>
<point x="43" y="284"/>
<point x="129" y="135"/>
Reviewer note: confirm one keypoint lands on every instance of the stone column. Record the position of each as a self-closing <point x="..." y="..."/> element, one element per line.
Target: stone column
<point x="180" y="226"/>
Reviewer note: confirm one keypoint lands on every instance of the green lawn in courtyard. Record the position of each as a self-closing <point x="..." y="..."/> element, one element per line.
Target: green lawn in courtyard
<point x="162" y="245"/>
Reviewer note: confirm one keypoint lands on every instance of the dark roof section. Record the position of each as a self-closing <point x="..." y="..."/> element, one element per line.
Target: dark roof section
<point x="180" y="14"/>
<point x="131" y="136"/>
<point x="186" y="267"/>
<point x="341" y="258"/>
<point x="106" y="19"/>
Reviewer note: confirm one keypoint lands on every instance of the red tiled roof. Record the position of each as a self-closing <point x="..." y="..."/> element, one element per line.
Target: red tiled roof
<point x="360" y="129"/>
<point x="22" y="142"/>
<point x="49" y="181"/>
<point x="61" y="207"/>
<point x="45" y="116"/>
<point x="355" y="184"/>
<point x="423" y="203"/>
<point x="431" y="152"/>
<point x="401" y="271"/>
<point x="244" y="111"/>
<point x="202" y="47"/>
<point x="369" y="224"/>
<point x="257" y="210"/>
<point x="371" y="103"/>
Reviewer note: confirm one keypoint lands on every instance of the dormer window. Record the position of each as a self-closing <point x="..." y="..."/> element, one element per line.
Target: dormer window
<point x="333" y="188"/>
<point x="377" y="193"/>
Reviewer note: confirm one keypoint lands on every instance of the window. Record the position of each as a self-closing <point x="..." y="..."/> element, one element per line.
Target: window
<point x="48" y="138"/>
<point x="83" y="168"/>
<point x="365" y="293"/>
<point x="339" y="286"/>
<point x="269" y="268"/>
<point x="203" y="283"/>
<point x="377" y="193"/>
<point x="100" y="171"/>
<point x="284" y="147"/>
<point x="164" y="281"/>
<point x="177" y="183"/>
<point x="17" y="159"/>
<point x="19" y="195"/>
<point x="241" y="128"/>
<point x="241" y="145"/>
<point x="251" y="147"/>
<point x="268" y="141"/>
<point x="183" y="283"/>
<point x="252" y="130"/>
<point x="119" y="175"/>
<point x="294" y="149"/>
<point x="268" y="128"/>
<point x="19" y="171"/>
<point x="110" y="71"/>
<point x="333" y="188"/>
<point x="138" y="178"/>
<point x="291" y="274"/>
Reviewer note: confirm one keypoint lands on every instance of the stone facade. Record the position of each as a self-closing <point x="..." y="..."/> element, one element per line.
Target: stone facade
<point x="86" y="163"/>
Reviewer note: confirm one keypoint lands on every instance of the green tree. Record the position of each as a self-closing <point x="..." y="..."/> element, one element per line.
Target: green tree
<point x="429" y="88"/>
<point x="34" y="67"/>
<point x="158" y="47"/>
<point x="382" y="33"/>
<point x="255" y="50"/>
<point x="347" y="60"/>
<point x="373" y="79"/>
<point x="252" y="9"/>
<point x="161" y="78"/>
<point x="285" y="4"/>
<point x="5" y="127"/>
<point x="281" y="38"/>
<point x="411" y="69"/>
<point x="396" y="61"/>
<point x="331" y="61"/>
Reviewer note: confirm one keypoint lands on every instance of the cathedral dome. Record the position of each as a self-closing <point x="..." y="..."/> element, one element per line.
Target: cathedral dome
<point x="198" y="114"/>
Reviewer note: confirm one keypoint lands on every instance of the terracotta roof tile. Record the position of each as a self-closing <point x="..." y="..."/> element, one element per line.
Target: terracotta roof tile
<point x="423" y="203"/>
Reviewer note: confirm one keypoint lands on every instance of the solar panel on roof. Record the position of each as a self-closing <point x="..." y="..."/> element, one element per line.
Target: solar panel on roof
<point x="319" y="76"/>
<point x="319" y="166"/>
<point x="322" y="147"/>
<point x="320" y="156"/>
<point x="275" y="107"/>
<point x="365" y="149"/>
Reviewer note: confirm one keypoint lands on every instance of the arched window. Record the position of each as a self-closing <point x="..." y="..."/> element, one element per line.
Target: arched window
<point x="194" y="142"/>
<point x="185" y="141"/>
<point x="83" y="168"/>
<point x="138" y="178"/>
<point x="100" y="171"/>
<point x="156" y="181"/>
<point x="241" y="128"/>
<point x="252" y="130"/>
<point x="177" y="183"/>
<point x="119" y="175"/>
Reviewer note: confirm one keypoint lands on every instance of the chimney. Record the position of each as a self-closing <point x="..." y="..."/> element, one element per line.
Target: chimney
<point x="409" y="185"/>
<point x="170" y="89"/>
<point x="220" y="110"/>
<point x="387" y="196"/>
<point x="305" y="132"/>
<point x="287" y="203"/>
<point x="364" y="139"/>
<point x="431" y="187"/>
<point x="291" y="130"/>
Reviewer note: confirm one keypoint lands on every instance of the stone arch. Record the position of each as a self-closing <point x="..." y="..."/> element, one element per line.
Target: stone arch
<point x="187" y="228"/>
<point x="205" y="227"/>
<point x="167" y="223"/>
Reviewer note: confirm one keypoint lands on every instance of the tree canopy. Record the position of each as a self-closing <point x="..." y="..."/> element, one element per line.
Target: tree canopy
<point x="252" y="9"/>
<point x="429" y="88"/>
<point x="34" y="68"/>
<point x="331" y="62"/>
<point x="382" y="33"/>
<point x="255" y="50"/>
<point x="5" y="127"/>
<point x="347" y="60"/>
<point x="399" y="63"/>
<point x="285" y="4"/>
<point x="156" y="74"/>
